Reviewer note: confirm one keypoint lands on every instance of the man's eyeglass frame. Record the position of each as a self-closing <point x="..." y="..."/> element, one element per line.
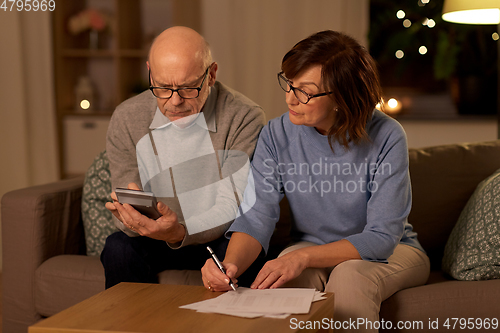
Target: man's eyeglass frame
<point x="292" y="88"/>
<point x="198" y="89"/>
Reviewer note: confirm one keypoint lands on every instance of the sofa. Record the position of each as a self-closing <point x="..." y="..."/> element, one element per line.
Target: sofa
<point x="46" y="269"/>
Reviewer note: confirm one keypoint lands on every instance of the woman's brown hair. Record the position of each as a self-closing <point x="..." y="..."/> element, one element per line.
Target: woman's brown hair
<point x="349" y="72"/>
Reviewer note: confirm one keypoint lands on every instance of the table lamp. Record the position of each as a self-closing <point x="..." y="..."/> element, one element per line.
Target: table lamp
<point x="476" y="12"/>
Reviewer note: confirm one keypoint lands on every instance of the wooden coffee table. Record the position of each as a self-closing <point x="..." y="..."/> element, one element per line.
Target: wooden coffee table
<point x="138" y="307"/>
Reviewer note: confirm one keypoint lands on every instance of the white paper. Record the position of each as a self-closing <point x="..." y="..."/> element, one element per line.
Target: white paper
<point x="253" y="303"/>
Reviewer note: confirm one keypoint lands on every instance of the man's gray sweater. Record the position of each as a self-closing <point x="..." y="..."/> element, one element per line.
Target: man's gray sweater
<point x="233" y="122"/>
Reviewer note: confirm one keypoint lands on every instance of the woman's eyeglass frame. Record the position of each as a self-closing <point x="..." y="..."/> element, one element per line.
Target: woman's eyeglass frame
<point x="288" y="87"/>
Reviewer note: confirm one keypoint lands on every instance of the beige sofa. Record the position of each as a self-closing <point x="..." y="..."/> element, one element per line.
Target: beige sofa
<point x="45" y="269"/>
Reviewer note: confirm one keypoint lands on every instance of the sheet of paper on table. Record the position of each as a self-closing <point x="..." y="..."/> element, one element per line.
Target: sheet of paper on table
<point x="253" y="303"/>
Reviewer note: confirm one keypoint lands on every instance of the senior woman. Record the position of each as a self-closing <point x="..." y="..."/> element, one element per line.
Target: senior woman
<point x="343" y="166"/>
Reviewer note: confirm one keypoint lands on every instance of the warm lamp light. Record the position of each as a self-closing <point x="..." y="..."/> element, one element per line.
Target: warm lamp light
<point x="392" y="107"/>
<point x="472" y="11"/>
<point x="85" y="104"/>
<point x="476" y="12"/>
<point x="84" y="94"/>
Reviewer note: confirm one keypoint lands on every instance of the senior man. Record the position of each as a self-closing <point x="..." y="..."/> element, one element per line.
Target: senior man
<point x="187" y="140"/>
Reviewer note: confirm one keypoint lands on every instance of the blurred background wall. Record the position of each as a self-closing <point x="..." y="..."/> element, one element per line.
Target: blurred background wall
<point x="28" y="146"/>
<point x="249" y="39"/>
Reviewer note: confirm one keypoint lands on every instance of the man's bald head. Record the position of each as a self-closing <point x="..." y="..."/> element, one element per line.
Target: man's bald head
<point x="180" y="46"/>
<point x="180" y="58"/>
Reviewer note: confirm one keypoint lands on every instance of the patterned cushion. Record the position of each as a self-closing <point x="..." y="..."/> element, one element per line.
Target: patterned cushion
<point x="473" y="248"/>
<point x="97" y="221"/>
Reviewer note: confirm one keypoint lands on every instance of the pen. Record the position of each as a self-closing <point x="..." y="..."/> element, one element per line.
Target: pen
<point x="218" y="263"/>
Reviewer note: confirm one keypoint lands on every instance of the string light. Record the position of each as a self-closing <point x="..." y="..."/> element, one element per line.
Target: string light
<point x="422" y="50"/>
<point x="400" y="14"/>
<point x="400" y="54"/>
<point x="406" y="23"/>
<point x="495" y="36"/>
<point x="430" y="23"/>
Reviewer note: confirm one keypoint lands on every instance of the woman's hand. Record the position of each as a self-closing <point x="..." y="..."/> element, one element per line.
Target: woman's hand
<point x="214" y="279"/>
<point x="280" y="270"/>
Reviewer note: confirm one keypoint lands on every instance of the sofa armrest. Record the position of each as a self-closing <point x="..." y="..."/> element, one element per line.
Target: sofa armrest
<point x="38" y="223"/>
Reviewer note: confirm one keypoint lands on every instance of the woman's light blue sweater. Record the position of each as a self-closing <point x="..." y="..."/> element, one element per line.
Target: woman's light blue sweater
<point x="362" y="194"/>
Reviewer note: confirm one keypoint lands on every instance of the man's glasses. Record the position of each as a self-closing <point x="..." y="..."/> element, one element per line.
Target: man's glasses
<point x="185" y="93"/>
<point x="300" y="94"/>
